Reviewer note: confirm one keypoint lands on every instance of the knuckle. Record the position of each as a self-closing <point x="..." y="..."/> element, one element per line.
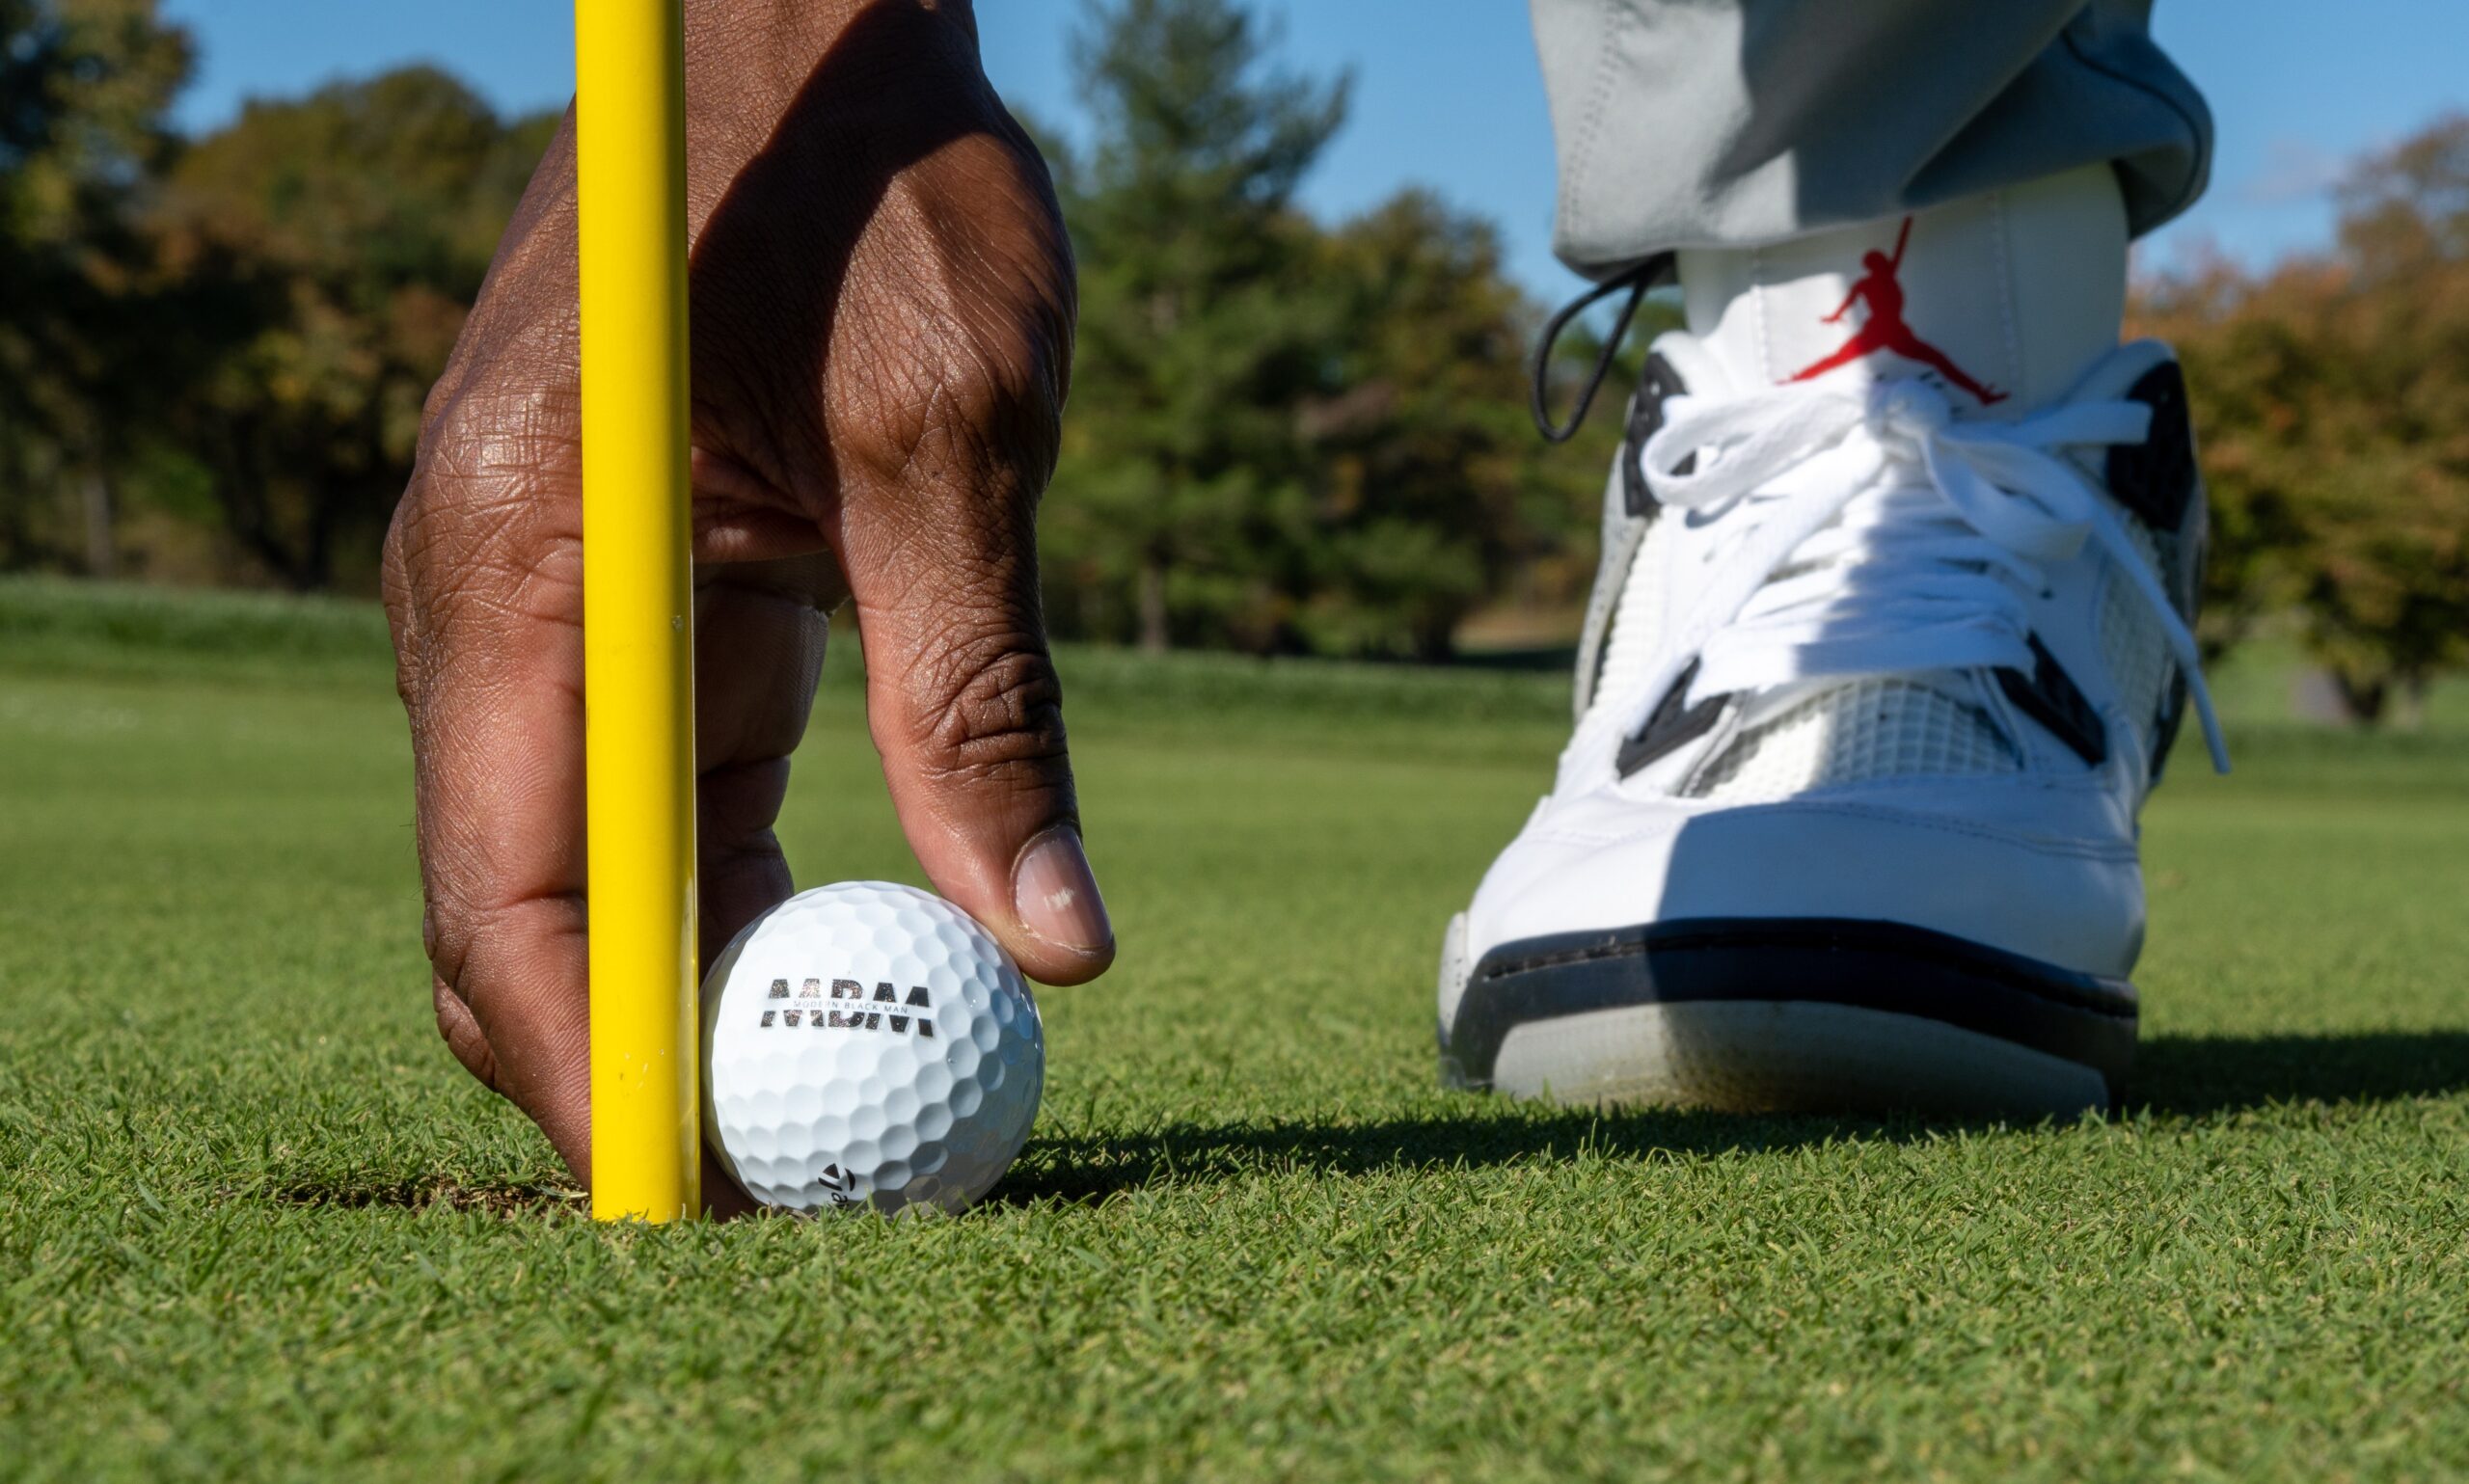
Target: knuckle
<point x="740" y="802"/>
<point x="461" y="1033"/>
<point x="991" y="713"/>
<point x="968" y="414"/>
<point x="967" y="352"/>
<point x="492" y="962"/>
<point x="448" y="933"/>
<point x="396" y="587"/>
<point x="491" y="522"/>
<point x="496" y="478"/>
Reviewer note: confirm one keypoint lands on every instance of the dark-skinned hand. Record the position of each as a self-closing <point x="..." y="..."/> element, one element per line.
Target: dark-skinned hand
<point x="881" y="299"/>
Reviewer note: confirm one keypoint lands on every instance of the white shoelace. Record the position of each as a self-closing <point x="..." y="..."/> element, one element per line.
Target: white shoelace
<point x="1887" y="538"/>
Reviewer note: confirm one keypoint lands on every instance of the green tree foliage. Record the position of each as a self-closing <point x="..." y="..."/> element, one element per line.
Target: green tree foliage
<point x="1421" y="461"/>
<point x="83" y="88"/>
<point x="322" y="254"/>
<point x="1202" y="328"/>
<point x="2332" y="396"/>
<point x="1285" y="436"/>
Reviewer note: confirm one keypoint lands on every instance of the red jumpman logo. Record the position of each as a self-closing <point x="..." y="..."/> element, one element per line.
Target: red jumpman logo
<point x="1885" y="330"/>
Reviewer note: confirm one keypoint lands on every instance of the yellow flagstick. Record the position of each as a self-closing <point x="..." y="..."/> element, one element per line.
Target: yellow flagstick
<point x="639" y="622"/>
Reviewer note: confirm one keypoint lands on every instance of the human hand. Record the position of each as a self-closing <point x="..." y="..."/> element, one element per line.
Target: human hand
<point x="881" y="295"/>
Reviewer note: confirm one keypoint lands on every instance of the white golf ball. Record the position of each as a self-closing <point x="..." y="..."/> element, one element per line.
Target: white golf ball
<point x="868" y="1044"/>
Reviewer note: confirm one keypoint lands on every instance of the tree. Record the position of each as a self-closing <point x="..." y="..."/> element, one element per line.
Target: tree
<point x="2387" y="596"/>
<point x="2332" y="396"/>
<point x="1285" y="436"/>
<point x="2246" y="371"/>
<point x="319" y="256"/>
<point x="84" y="85"/>
<point x="1203" y="330"/>
<point x="1420" y="464"/>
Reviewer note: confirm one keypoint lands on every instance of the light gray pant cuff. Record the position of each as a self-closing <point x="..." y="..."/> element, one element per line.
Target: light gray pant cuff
<point x="1734" y="123"/>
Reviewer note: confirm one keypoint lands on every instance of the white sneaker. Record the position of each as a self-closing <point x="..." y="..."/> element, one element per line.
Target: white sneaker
<point x="1890" y="636"/>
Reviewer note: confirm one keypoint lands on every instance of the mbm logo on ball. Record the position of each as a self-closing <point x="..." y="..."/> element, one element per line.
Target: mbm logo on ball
<point x="852" y="1018"/>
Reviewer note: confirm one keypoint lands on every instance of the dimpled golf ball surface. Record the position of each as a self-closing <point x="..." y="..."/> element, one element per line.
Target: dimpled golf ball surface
<point x="868" y="1044"/>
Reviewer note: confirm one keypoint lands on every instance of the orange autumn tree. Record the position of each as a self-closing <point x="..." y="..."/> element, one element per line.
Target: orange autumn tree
<point x="317" y="255"/>
<point x="2331" y="394"/>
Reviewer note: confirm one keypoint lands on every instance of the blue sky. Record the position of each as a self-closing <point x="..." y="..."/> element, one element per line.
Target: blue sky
<point x="1447" y="94"/>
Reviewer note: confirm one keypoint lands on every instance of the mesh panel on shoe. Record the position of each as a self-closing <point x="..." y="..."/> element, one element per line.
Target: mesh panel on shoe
<point x="1634" y="625"/>
<point x="1854" y="733"/>
<point x="2137" y="657"/>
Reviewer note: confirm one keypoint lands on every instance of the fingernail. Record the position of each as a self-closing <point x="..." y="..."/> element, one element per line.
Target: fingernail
<point x="1056" y="894"/>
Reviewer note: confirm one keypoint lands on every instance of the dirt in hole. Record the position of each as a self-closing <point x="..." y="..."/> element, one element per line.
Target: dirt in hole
<point x="424" y="1193"/>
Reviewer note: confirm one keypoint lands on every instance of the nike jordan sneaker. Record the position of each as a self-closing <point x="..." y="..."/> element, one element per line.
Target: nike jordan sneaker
<point x="1890" y="638"/>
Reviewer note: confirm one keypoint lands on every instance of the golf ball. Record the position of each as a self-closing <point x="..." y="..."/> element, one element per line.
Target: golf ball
<point x="868" y="1044"/>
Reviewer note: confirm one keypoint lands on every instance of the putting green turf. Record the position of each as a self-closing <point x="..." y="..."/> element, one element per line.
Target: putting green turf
<point x="252" y="1220"/>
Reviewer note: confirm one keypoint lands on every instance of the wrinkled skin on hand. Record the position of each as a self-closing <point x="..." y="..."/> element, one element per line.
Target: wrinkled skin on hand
<point x="881" y="300"/>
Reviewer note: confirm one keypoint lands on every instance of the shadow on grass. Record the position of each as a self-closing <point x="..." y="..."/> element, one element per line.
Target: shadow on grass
<point x="2194" y="1075"/>
<point x="2177" y="1076"/>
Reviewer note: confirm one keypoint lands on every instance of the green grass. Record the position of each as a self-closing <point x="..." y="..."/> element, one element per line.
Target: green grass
<point x="254" y="1221"/>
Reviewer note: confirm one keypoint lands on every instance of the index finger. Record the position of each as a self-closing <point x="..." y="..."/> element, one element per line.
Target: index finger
<point x="483" y="580"/>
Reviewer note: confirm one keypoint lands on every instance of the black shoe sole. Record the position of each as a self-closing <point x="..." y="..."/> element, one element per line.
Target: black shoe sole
<point x="1790" y="1014"/>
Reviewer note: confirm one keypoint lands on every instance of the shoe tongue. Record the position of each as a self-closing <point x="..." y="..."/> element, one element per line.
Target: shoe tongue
<point x="2001" y="300"/>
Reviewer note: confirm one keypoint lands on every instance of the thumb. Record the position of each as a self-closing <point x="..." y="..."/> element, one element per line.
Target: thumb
<point x="967" y="713"/>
